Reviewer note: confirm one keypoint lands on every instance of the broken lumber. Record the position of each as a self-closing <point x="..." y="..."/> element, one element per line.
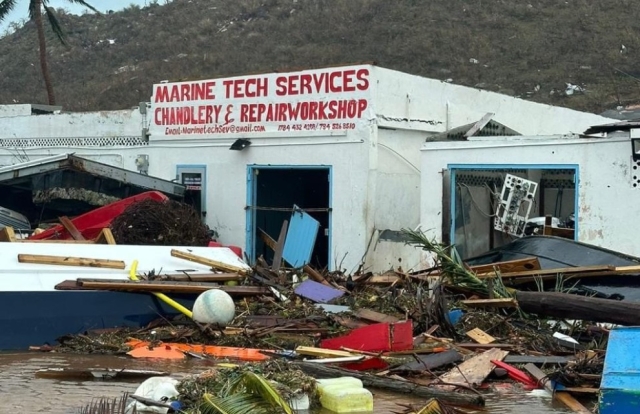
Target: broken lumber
<point x="538" y="360"/>
<point x="568" y="306"/>
<point x="480" y="336"/>
<point x="518" y="265"/>
<point x="225" y="267"/>
<point x="552" y="272"/>
<point x="562" y="396"/>
<point x="322" y="353"/>
<point x="70" y="261"/>
<point x="158" y="286"/>
<point x="71" y="228"/>
<point x="391" y="384"/>
<point x="199" y="277"/>
<point x="474" y="370"/>
<point x="373" y="316"/>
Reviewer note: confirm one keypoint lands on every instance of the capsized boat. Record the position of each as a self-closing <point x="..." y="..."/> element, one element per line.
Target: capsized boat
<point x="33" y="312"/>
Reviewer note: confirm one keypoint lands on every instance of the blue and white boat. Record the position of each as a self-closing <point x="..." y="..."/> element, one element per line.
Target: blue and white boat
<point x="34" y="313"/>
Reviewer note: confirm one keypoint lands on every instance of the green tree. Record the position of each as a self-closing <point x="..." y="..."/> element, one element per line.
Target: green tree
<point x="35" y="14"/>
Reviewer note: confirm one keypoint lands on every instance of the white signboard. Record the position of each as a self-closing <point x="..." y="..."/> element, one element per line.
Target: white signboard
<point x="329" y="100"/>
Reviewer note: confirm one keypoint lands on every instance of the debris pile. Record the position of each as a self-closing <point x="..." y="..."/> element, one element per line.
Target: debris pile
<point x="163" y="223"/>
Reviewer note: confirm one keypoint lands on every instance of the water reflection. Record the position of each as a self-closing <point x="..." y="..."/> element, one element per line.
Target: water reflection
<point x="23" y="392"/>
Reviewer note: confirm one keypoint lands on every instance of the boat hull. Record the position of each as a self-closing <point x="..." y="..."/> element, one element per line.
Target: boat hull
<point x="40" y="317"/>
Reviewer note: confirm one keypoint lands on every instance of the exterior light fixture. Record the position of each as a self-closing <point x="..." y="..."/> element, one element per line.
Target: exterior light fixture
<point x="240" y="144"/>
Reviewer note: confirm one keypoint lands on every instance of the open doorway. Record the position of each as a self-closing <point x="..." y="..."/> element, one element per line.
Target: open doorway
<point x="272" y="193"/>
<point x="494" y="205"/>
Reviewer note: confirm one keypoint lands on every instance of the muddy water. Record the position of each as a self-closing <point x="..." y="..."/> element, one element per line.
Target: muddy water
<point x="22" y="392"/>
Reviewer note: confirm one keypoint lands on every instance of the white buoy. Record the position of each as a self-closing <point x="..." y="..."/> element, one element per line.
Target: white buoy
<point x="214" y="306"/>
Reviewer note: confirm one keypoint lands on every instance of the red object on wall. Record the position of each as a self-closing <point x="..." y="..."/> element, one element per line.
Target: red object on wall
<point x="380" y="337"/>
<point x="237" y="250"/>
<point x="90" y="224"/>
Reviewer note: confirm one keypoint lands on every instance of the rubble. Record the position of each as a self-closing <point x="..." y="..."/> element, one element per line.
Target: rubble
<point x="442" y="333"/>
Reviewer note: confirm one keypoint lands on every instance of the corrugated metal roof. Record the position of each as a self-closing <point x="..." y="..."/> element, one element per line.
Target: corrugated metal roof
<point x="301" y="238"/>
<point x="617" y="126"/>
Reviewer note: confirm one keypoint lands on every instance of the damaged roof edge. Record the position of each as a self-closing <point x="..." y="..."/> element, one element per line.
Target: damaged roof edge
<point x="617" y="126"/>
<point x="71" y="161"/>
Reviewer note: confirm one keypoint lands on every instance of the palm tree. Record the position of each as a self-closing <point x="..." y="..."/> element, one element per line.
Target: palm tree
<point x="35" y="14"/>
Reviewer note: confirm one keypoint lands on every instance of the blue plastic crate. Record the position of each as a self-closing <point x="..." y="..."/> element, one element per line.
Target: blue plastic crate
<point x="620" y="385"/>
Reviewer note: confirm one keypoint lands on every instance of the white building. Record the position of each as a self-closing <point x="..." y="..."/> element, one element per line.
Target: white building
<point x="342" y="142"/>
<point x="595" y="177"/>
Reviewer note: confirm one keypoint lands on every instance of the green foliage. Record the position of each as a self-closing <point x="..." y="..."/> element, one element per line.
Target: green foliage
<point x="518" y="45"/>
<point x="452" y="267"/>
<point x="249" y="393"/>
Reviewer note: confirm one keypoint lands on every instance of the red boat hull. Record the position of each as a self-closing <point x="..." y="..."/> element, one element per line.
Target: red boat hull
<point x="91" y="224"/>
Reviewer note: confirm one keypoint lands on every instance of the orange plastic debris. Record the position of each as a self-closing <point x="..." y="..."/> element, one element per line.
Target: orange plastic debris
<point x="243" y="354"/>
<point x="164" y="351"/>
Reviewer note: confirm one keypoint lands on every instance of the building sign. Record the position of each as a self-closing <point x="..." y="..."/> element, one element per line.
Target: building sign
<point x="335" y="99"/>
<point x="193" y="181"/>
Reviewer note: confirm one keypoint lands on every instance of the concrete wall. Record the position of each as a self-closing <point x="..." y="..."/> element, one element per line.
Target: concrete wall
<point x="413" y="102"/>
<point x="606" y="194"/>
<point x="7" y="111"/>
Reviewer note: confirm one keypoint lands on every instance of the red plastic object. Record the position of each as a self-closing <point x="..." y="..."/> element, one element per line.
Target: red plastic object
<point x="373" y="363"/>
<point x="380" y="337"/>
<point x="237" y="250"/>
<point x="90" y="224"/>
<point x="516" y="375"/>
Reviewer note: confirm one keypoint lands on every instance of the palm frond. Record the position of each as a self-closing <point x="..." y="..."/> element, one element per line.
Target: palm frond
<point x="85" y="4"/>
<point x="453" y="267"/>
<point x="55" y="25"/>
<point x="240" y="403"/>
<point x="107" y="406"/>
<point x="5" y="7"/>
<point x="248" y="393"/>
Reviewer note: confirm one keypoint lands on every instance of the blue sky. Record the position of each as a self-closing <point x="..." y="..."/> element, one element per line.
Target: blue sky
<point x="20" y="11"/>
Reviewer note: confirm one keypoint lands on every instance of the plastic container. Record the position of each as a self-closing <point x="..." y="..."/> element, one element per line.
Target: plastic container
<point x="346" y="382"/>
<point x="346" y="399"/>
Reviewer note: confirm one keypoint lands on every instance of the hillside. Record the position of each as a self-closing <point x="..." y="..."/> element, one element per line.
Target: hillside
<point x="528" y="49"/>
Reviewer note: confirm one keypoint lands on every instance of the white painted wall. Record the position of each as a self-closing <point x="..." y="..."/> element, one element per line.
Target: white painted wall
<point x="607" y="198"/>
<point x="433" y="105"/>
<point x="15" y="110"/>
<point x="77" y="124"/>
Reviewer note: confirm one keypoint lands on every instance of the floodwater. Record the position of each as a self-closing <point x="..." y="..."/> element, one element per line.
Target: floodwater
<point x="22" y="392"/>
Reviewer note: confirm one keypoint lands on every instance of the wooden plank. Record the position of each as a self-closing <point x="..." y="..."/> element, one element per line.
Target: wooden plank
<point x="562" y="396"/>
<point x="480" y="336"/>
<point x="70" y="261"/>
<point x="200" y="277"/>
<point x="383" y="279"/>
<point x="552" y="272"/>
<point x="58" y="241"/>
<point x="279" y="248"/>
<point x="225" y="267"/>
<point x="473" y="346"/>
<point x="473" y="371"/>
<point x="538" y="360"/>
<point x="143" y="286"/>
<point x="7" y="234"/>
<point x="105" y="237"/>
<point x="71" y="228"/>
<point x="373" y="316"/>
<point x="518" y="265"/>
<point x="322" y="353"/>
<point x="491" y="303"/>
<point x="582" y="390"/>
